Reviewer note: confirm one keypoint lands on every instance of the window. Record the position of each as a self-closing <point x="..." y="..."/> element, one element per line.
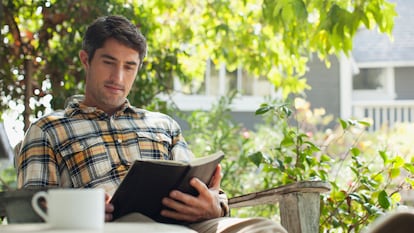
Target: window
<point x="369" y="79"/>
<point x="218" y="81"/>
<point x="222" y="81"/>
<point x="373" y="84"/>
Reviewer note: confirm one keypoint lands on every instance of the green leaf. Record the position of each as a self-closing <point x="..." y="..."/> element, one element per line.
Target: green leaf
<point x="256" y="158"/>
<point x="325" y="158"/>
<point x="287" y="141"/>
<point x="364" y="123"/>
<point x="384" y="200"/>
<point x="288" y="159"/>
<point x="355" y="151"/>
<point x="300" y="9"/>
<point x="378" y="178"/>
<point x="384" y="156"/>
<point x="279" y="164"/>
<point x="343" y="123"/>
<point x="395" y="172"/>
<point x="285" y="110"/>
<point x="354" y="170"/>
<point x="409" y="167"/>
<point x="355" y="197"/>
<point x="264" y="108"/>
<point x="398" y="162"/>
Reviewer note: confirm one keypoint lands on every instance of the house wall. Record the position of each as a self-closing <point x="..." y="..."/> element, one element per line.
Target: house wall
<point x="248" y="119"/>
<point x="404" y="83"/>
<point x="325" y="92"/>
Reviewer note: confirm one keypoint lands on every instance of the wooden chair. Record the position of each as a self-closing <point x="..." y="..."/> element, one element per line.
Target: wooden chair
<point x="299" y="204"/>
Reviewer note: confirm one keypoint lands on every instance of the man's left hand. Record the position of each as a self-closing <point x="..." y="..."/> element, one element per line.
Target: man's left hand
<point x="206" y="205"/>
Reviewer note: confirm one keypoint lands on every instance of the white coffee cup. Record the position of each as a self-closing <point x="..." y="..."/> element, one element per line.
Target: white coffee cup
<point x="72" y="208"/>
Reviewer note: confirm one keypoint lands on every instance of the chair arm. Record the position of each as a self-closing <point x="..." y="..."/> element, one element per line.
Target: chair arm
<point x="299" y="204"/>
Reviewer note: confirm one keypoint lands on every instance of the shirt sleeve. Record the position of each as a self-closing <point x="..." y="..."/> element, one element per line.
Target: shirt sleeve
<point x="180" y="150"/>
<point x="36" y="163"/>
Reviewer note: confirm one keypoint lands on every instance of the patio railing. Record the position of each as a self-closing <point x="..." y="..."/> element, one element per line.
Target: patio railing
<point x="384" y="113"/>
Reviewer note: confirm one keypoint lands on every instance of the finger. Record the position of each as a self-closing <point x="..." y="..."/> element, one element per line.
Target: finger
<point x="108" y="217"/>
<point x="107" y="198"/>
<point x="180" y="201"/>
<point x="176" y="206"/>
<point x="201" y="188"/>
<point x="216" y="179"/>
<point x="109" y="209"/>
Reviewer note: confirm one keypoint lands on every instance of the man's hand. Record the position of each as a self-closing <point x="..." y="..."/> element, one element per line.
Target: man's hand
<point x="109" y="208"/>
<point x="188" y="208"/>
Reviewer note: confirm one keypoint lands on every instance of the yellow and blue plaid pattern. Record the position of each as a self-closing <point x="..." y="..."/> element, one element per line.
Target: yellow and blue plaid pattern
<point x="84" y="147"/>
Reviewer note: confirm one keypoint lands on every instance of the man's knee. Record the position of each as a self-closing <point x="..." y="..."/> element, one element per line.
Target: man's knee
<point x="239" y="225"/>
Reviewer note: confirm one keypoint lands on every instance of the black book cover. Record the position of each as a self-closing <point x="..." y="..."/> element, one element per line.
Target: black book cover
<point x="148" y="181"/>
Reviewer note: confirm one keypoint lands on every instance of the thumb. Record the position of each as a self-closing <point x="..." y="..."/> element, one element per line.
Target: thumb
<point x="215" y="179"/>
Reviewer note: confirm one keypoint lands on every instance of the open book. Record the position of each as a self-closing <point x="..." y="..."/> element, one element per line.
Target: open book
<point x="148" y="181"/>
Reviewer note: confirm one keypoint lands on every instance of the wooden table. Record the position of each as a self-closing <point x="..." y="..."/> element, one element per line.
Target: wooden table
<point x="113" y="227"/>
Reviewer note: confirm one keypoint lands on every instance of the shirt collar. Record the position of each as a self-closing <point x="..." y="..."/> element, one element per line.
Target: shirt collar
<point x="76" y="106"/>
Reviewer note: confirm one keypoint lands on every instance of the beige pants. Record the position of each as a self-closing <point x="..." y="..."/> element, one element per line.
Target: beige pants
<point x="397" y="221"/>
<point x="219" y="225"/>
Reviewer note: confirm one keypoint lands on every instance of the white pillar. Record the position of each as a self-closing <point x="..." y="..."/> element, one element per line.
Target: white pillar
<point x="345" y="86"/>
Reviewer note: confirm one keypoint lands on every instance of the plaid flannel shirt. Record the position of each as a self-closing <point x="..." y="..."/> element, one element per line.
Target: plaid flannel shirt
<point x="83" y="147"/>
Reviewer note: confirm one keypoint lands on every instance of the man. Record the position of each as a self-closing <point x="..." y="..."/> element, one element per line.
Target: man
<point x="93" y="142"/>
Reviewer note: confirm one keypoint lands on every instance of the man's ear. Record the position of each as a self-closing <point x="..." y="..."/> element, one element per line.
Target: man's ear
<point x="83" y="55"/>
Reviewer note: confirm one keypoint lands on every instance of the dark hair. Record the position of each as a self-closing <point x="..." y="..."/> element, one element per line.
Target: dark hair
<point x="118" y="28"/>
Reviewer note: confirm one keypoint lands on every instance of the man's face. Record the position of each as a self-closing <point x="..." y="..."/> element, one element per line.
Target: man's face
<point x="109" y="75"/>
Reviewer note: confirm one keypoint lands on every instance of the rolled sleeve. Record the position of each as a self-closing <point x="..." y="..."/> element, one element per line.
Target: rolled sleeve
<point x="180" y="150"/>
<point x="36" y="164"/>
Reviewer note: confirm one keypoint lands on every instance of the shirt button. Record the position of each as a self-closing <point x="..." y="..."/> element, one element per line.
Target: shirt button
<point x="119" y="140"/>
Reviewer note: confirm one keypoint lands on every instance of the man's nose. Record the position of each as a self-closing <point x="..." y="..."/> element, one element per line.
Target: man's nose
<point x="117" y="74"/>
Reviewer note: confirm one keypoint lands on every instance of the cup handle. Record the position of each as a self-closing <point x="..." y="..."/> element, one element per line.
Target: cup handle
<point x="35" y="204"/>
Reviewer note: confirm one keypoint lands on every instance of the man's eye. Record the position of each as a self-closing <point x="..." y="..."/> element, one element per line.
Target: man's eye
<point x="108" y="62"/>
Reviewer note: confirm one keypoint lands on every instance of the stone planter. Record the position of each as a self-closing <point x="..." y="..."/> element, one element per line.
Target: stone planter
<point x="16" y="206"/>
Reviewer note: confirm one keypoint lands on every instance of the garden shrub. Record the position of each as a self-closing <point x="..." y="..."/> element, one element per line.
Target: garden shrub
<point x="366" y="170"/>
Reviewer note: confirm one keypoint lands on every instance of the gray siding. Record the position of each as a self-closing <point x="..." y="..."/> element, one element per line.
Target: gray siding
<point x="372" y="46"/>
<point x="325" y="92"/>
<point x="247" y="119"/>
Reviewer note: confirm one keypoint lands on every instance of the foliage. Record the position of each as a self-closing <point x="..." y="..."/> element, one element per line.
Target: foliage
<point x="8" y="179"/>
<point x="239" y="176"/>
<point x="366" y="170"/>
<point x="40" y="42"/>
<point x="228" y="137"/>
<point x="295" y="154"/>
<point x="365" y="180"/>
<point x="39" y="48"/>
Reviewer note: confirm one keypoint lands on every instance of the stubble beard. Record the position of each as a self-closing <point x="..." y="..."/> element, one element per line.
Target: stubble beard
<point x="113" y="102"/>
